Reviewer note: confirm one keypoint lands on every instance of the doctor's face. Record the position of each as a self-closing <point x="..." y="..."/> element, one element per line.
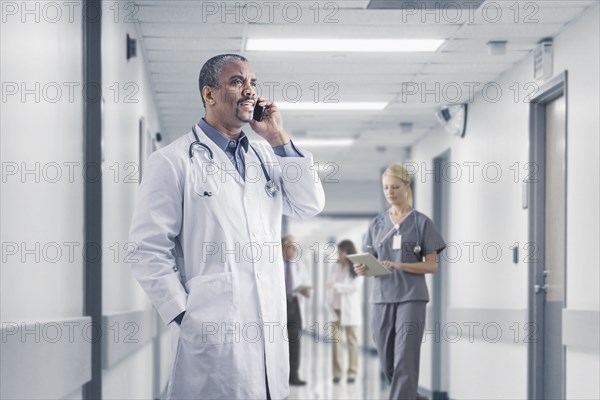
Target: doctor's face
<point x="395" y="190"/>
<point x="235" y="99"/>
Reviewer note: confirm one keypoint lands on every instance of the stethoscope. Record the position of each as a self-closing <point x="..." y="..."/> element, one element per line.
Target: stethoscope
<point x="270" y="187"/>
<point x="396" y="228"/>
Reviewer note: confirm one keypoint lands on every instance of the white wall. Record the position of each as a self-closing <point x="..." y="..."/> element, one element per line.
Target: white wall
<point x="134" y="100"/>
<point x="128" y="97"/>
<point x="489" y="212"/>
<point x="357" y="197"/>
<point x="484" y="213"/>
<point x="41" y="131"/>
<point x="42" y="210"/>
<point x="583" y="175"/>
<point x="583" y="215"/>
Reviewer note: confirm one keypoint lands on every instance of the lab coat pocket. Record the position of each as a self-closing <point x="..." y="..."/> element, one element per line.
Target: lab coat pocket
<point x="209" y="311"/>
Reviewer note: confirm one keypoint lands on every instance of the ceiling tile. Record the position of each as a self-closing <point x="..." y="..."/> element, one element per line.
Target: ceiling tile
<point x="177" y="37"/>
<point x="221" y="45"/>
<point x="506" y="31"/>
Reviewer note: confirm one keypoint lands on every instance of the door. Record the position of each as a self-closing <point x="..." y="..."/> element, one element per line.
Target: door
<point x="554" y="266"/>
<point x="548" y="233"/>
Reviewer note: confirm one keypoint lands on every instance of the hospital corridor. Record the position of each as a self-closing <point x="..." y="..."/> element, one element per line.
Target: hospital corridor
<point x="304" y="199"/>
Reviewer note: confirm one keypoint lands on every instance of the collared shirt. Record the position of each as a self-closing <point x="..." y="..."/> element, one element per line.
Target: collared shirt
<point x="236" y="150"/>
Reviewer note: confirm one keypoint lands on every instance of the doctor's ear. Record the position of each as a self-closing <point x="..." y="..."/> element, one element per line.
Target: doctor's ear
<point x="208" y="95"/>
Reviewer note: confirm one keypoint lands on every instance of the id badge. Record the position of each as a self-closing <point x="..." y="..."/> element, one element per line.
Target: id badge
<point x="397" y="242"/>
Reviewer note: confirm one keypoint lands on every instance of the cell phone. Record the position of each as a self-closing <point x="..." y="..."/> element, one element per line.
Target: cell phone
<point x="259" y="112"/>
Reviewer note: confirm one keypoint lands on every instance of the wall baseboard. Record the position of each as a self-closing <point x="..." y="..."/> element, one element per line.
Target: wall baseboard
<point x="581" y="328"/>
<point x="125" y="333"/>
<point x="45" y="360"/>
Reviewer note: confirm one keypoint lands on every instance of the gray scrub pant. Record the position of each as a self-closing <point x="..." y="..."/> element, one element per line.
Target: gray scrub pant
<point x="398" y="331"/>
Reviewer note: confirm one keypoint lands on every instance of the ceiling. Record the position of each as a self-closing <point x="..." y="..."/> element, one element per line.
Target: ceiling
<point x="177" y="37"/>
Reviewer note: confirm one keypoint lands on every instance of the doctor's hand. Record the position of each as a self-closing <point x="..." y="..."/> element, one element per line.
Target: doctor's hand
<point x="271" y="127"/>
<point x="360" y="269"/>
<point x="305" y="292"/>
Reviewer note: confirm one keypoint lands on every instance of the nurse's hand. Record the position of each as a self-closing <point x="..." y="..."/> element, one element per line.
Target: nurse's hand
<point x="360" y="269"/>
<point x="271" y="126"/>
<point x="391" y="265"/>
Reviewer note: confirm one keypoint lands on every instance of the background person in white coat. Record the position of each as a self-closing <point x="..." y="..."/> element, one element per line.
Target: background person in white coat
<point x="345" y="311"/>
<point x="296" y="283"/>
<point x="208" y="240"/>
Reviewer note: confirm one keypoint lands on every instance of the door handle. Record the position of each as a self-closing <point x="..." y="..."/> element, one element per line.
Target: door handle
<point x="540" y="288"/>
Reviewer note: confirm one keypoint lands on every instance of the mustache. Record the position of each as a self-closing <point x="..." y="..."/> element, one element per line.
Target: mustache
<point x="249" y="98"/>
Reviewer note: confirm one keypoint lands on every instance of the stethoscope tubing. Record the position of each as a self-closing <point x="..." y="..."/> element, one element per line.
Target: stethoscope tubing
<point x="270" y="187"/>
<point x="417" y="248"/>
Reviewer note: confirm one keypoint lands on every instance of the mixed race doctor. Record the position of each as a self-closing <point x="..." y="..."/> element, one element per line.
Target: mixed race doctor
<point x="207" y="226"/>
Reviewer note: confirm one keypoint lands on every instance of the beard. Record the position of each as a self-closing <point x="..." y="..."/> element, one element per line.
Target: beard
<point x="241" y="115"/>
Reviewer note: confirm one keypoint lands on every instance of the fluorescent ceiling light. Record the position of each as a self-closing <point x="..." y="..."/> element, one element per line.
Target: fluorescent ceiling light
<point x="346" y="142"/>
<point x="344" y="45"/>
<point x="340" y="106"/>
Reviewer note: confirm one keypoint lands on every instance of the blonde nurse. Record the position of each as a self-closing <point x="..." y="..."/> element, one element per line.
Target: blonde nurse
<point x="407" y="242"/>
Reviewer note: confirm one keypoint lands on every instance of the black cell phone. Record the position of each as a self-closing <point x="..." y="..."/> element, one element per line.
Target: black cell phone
<point x="259" y="112"/>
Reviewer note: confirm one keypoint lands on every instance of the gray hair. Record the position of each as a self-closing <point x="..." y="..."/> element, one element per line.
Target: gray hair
<point x="212" y="69"/>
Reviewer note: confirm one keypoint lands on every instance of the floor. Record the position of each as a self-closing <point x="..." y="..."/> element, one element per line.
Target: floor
<point x="316" y="370"/>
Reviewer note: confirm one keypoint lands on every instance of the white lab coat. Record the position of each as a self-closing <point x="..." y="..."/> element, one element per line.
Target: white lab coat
<point x="351" y="294"/>
<point x="218" y="258"/>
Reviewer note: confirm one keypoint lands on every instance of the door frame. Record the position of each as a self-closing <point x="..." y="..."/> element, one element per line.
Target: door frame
<point x="439" y="352"/>
<point x="549" y="91"/>
<point x="92" y="137"/>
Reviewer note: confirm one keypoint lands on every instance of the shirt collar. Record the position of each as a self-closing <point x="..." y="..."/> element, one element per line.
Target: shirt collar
<point x="221" y="140"/>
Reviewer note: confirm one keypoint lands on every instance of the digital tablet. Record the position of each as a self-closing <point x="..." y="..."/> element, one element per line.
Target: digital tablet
<point x="375" y="267"/>
<point x="303" y="287"/>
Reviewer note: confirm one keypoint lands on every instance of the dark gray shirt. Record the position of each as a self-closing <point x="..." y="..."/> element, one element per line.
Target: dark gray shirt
<point x="401" y="286"/>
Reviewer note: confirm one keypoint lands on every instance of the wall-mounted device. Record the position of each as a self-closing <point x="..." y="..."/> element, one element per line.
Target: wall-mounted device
<point x="543" y="60"/>
<point x="131" y="47"/>
<point x="453" y="118"/>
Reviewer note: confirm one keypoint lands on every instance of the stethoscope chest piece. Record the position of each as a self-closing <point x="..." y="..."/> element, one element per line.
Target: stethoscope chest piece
<point x="271" y="188"/>
<point x="417" y="248"/>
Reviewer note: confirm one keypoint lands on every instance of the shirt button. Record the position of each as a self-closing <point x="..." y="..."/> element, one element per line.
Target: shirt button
<point x="175" y="269"/>
<point x="258" y="275"/>
<point x="232" y="144"/>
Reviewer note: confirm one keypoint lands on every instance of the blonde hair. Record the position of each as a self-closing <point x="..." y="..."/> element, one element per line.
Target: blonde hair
<point x="398" y="171"/>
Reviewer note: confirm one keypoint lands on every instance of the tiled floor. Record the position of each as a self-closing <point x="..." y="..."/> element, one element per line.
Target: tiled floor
<point x="316" y="370"/>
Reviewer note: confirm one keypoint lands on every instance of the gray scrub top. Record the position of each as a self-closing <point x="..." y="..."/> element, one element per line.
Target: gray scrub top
<point x="401" y="286"/>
